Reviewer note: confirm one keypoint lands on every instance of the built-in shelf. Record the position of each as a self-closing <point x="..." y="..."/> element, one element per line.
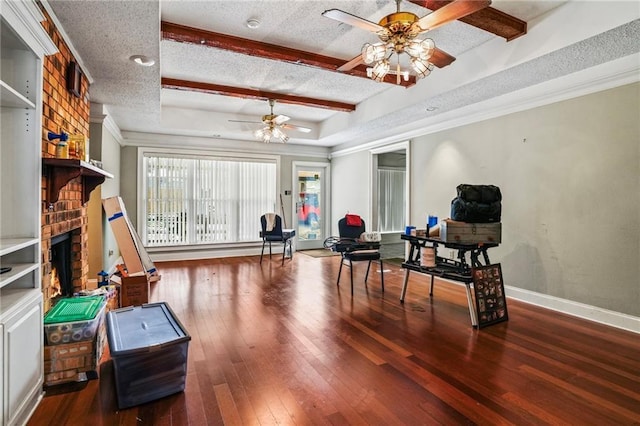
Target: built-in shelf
<point x="60" y="171"/>
<point x="18" y="270"/>
<point x="9" y="245"/>
<point x="12" y="99"/>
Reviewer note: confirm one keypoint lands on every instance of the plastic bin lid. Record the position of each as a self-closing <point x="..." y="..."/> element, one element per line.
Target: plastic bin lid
<point x="75" y="309"/>
<point x="143" y="328"/>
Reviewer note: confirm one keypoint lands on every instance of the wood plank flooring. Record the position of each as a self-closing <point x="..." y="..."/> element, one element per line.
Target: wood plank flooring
<point x="276" y="344"/>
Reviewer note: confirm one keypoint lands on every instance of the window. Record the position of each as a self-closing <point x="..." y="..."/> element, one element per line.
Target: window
<point x="205" y="200"/>
<point x="391" y="206"/>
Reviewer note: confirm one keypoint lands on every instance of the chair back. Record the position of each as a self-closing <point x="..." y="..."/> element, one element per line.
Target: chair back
<point x="347" y="231"/>
<point x="277" y="227"/>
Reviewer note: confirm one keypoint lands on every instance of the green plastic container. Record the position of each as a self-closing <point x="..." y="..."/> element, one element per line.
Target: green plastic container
<point x="74" y="319"/>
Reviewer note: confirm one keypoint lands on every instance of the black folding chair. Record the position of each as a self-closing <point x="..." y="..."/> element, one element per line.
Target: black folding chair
<point x="353" y="233"/>
<point x="275" y="235"/>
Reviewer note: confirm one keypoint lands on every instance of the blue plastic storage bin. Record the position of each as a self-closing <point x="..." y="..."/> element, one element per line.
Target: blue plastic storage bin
<point x="149" y="348"/>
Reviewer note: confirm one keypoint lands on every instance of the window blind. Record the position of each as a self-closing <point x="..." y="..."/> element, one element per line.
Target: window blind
<point x="391" y="205"/>
<point x="191" y="201"/>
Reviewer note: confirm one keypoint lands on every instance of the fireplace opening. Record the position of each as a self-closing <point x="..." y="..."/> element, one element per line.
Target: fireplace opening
<point x="61" y="265"/>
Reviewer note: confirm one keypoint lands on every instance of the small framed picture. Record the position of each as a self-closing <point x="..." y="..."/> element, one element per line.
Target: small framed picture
<point x="491" y="303"/>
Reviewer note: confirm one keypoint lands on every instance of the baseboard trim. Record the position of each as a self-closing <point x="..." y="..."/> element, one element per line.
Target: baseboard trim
<point x="210" y="253"/>
<point x="581" y="310"/>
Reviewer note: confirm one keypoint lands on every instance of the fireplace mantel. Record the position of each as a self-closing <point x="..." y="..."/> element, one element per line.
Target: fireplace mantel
<point x="60" y="171"/>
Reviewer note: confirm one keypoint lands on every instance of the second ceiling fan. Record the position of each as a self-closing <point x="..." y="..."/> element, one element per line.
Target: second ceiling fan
<point x="398" y="31"/>
<point x="273" y="126"/>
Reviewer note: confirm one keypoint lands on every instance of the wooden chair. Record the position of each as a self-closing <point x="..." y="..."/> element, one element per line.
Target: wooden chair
<point x="274" y="235"/>
<point x="353" y="233"/>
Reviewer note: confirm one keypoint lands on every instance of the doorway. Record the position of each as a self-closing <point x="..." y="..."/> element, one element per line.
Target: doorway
<point x="311" y="189"/>
<point x="390" y="197"/>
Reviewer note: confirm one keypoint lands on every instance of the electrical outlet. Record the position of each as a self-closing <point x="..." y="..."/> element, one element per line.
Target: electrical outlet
<point x="110" y="252"/>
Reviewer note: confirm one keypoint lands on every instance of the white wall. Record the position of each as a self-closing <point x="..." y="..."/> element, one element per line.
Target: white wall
<point x="350" y="188"/>
<point x="570" y="178"/>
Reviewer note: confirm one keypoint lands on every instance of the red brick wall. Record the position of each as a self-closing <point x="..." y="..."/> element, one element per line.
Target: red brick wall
<point x="62" y="111"/>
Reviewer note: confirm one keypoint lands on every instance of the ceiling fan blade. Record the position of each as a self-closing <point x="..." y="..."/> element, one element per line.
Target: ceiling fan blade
<point x="440" y="58"/>
<point x="351" y="64"/>
<point x="455" y="10"/>
<point x="352" y="20"/>
<point x="279" y="119"/>
<point x="294" y="127"/>
<point x="245" y="121"/>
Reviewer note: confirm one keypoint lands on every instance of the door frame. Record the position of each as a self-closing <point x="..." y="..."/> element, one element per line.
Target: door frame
<point x="325" y="221"/>
<point x="373" y="195"/>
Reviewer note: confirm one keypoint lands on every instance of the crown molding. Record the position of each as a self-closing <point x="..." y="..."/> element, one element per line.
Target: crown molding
<point x="160" y="140"/>
<point x="602" y="77"/>
<point x="100" y="115"/>
<point x="25" y="18"/>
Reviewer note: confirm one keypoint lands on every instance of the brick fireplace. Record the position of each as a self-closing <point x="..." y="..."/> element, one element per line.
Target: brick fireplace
<point x="63" y="209"/>
<point x="67" y="216"/>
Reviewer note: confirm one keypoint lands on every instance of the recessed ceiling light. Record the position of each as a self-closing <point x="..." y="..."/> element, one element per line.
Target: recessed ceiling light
<point x="145" y="61"/>
<point x="253" y="23"/>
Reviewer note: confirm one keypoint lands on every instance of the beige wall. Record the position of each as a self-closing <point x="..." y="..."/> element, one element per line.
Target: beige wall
<point x="103" y="248"/>
<point x="129" y="182"/>
<point x="569" y="175"/>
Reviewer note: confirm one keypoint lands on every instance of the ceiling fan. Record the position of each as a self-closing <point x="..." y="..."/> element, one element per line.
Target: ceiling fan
<point x="397" y="32"/>
<point x="273" y="126"/>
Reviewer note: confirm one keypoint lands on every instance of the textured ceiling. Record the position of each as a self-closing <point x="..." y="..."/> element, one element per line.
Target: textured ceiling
<point x="106" y="33"/>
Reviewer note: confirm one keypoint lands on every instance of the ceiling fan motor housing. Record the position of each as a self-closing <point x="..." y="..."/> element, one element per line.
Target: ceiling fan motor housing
<point x="399" y="25"/>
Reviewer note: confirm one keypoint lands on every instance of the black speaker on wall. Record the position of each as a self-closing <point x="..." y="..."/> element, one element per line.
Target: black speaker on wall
<point x="74" y="79"/>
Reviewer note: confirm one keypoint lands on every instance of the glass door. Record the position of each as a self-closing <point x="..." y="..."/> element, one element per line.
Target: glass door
<point x="310" y="205"/>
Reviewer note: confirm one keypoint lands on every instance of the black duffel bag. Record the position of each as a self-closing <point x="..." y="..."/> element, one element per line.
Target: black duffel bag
<point x="479" y="193"/>
<point x="477" y="204"/>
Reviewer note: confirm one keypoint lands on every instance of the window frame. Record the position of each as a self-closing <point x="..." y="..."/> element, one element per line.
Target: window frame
<point x="198" y="154"/>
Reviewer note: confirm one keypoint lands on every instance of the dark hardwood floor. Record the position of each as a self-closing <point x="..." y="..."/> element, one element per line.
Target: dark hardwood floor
<point x="276" y="344"/>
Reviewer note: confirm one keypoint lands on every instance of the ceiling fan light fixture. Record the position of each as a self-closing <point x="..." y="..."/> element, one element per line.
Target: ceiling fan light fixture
<point x="422" y="67"/>
<point x="380" y="70"/>
<point x="422" y="49"/>
<point x="373" y="52"/>
<point x="280" y="135"/>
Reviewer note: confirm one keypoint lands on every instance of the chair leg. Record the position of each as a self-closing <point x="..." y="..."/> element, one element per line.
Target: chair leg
<point x="340" y="271"/>
<point x="262" y="252"/>
<point x="366" y="277"/>
<point x="269" y="249"/>
<point x="351" y="271"/>
<point x="381" y="275"/>
<point x="284" y="251"/>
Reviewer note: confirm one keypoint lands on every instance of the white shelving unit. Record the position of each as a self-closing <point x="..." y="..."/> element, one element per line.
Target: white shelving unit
<point x="23" y="45"/>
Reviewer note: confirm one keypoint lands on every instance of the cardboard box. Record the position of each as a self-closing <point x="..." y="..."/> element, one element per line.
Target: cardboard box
<point x="134" y="289"/>
<point x="136" y="259"/>
<point x="452" y="231"/>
